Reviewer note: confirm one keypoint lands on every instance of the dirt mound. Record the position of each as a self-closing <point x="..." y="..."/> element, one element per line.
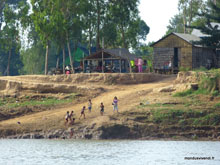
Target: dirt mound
<point x="70" y="83"/>
<point x="109" y="78"/>
<point x="189" y="77"/>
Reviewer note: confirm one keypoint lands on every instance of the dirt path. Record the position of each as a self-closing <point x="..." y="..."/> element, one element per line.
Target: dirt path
<point x="128" y="96"/>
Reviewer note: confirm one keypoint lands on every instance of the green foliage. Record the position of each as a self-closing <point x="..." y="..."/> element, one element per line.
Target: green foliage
<point x="212" y="32"/>
<point x="201" y="69"/>
<point x="184" y="69"/>
<point x="184" y="93"/>
<point x="33" y="60"/>
<point x="187" y="15"/>
<point x="217" y="105"/>
<point x="166" y="115"/>
<point x="44" y="102"/>
<point x="210" y="82"/>
<point x="210" y="119"/>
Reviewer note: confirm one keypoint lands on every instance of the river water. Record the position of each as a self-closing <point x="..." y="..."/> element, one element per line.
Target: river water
<point x="116" y="152"/>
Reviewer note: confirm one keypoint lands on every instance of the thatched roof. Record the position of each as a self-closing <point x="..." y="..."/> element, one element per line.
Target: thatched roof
<point x="120" y="53"/>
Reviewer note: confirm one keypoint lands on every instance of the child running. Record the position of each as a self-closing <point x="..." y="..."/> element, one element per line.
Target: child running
<point x="71" y="117"/>
<point x="67" y="117"/>
<point x="83" y="112"/>
<point x="115" y="104"/>
<point x="101" y="109"/>
<point x="90" y="105"/>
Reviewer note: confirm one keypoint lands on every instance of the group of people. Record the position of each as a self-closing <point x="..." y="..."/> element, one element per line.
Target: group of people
<point x="70" y="116"/>
<point x="139" y="65"/>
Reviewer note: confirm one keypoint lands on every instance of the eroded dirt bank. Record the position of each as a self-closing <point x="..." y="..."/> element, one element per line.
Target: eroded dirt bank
<point x="142" y="97"/>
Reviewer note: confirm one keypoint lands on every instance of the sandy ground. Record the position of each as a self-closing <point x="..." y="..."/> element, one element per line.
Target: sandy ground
<point x="128" y="95"/>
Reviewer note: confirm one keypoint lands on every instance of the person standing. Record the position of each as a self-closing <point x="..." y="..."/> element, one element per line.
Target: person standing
<point x="90" y="105"/>
<point x="83" y="112"/>
<point x="102" y="109"/>
<point x="140" y="63"/>
<point x="115" y="104"/>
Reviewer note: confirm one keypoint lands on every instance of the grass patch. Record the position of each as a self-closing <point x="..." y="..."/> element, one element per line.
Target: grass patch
<point x="191" y="92"/>
<point x="210" y="119"/>
<point x="45" y="102"/>
<point x="184" y="93"/>
<point x="178" y="116"/>
<point x="217" y="105"/>
<point x="166" y="115"/>
<point x="49" y="101"/>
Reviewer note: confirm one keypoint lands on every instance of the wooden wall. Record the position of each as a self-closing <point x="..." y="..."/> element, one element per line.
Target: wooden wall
<point x="164" y="51"/>
<point x="161" y="56"/>
<point x="203" y="57"/>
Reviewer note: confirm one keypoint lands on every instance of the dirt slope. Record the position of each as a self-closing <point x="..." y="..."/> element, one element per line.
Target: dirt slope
<point x="128" y="95"/>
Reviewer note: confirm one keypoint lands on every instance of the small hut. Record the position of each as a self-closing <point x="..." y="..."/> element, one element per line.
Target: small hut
<point x="178" y="50"/>
<point x="108" y="61"/>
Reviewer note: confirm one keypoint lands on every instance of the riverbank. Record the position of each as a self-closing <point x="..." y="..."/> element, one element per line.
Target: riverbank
<point x="153" y="110"/>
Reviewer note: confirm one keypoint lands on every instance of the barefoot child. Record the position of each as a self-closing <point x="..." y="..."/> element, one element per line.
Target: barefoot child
<point x="101" y="109"/>
<point x="71" y="117"/>
<point x="67" y="117"/>
<point x="90" y="105"/>
<point x="83" y="112"/>
<point x="115" y="104"/>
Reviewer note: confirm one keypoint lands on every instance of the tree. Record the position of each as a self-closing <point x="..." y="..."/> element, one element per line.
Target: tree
<point x="209" y="27"/>
<point x="10" y="34"/>
<point x="42" y="17"/>
<point x="189" y="9"/>
<point x="176" y="24"/>
<point x="123" y="13"/>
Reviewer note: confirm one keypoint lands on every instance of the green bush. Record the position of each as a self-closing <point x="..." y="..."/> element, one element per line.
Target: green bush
<point x="210" y="119"/>
<point x="217" y="105"/>
<point x="184" y="93"/>
<point x="166" y="115"/>
<point x="215" y="93"/>
<point x="184" y="69"/>
<point x="201" y="69"/>
<point x="210" y="82"/>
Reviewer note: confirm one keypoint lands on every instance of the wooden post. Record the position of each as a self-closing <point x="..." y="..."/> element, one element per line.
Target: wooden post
<point x="120" y="65"/>
<point x="83" y="66"/>
<point x="102" y="63"/>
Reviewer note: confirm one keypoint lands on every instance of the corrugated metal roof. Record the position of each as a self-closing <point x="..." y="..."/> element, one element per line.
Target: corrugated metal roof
<point x="188" y="37"/>
<point x="192" y="39"/>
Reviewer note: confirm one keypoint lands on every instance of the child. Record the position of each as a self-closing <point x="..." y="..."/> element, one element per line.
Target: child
<point x="102" y="109"/>
<point x="83" y="112"/>
<point x="90" y="105"/>
<point x="115" y="104"/>
<point x="72" y="119"/>
<point x="67" y="117"/>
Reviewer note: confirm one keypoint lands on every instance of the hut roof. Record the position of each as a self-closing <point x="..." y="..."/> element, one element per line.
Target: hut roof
<point x="191" y="39"/>
<point x="188" y="37"/>
<point x="121" y="53"/>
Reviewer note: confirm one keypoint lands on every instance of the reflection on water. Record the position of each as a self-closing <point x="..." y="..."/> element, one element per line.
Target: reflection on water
<point x="84" y="152"/>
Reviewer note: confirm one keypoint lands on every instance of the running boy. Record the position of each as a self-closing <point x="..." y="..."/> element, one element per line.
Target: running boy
<point x="83" y="112"/>
<point x="67" y="117"/>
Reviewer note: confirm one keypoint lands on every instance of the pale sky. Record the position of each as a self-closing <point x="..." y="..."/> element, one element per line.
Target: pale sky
<point x="156" y="14"/>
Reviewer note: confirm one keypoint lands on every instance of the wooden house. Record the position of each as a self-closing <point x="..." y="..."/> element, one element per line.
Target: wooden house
<point x="108" y="61"/>
<point x="178" y="50"/>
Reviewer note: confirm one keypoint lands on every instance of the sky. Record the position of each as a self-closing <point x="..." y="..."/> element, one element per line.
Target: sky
<point x="156" y="14"/>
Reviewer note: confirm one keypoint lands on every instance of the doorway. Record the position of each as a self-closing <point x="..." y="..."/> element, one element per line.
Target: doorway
<point x="175" y="58"/>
